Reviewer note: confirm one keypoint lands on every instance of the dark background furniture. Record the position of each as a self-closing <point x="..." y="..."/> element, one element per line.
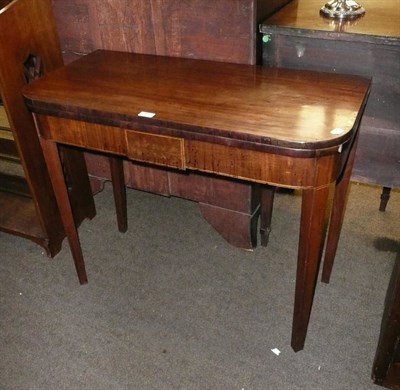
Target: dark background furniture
<point x="221" y="30"/>
<point x="386" y="368"/>
<point x="29" y="48"/>
<point x="298" y="37"/>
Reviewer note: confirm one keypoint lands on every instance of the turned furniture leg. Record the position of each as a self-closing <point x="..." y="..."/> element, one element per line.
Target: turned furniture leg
<point x="119" y="189"/>
<point x="338" y="209"/>
<point x="311" y="240"/>
<point x="56" y="174"/>
<point x="267" y="201"/>
<point x="384" y="198"/>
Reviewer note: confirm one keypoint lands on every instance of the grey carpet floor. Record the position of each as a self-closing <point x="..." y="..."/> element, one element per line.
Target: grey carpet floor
<point x="171" y="305"/>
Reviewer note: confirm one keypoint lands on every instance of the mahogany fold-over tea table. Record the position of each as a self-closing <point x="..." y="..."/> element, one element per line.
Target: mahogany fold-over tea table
<point x="287" y="128"/>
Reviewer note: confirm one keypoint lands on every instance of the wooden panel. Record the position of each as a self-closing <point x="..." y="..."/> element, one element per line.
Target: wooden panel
<point x="202" y="156"/>
<point x="213" y="190"/>
<point x="23" y="36"/>
<point x="156" y="149"/>
<point x="143" y="177"/>
<point x="29" y="47"/>
<point x="235" y="227"/>
<point x="84" y="134"/>
<point x="222" y="30"/>
<point x="257" y="166"/>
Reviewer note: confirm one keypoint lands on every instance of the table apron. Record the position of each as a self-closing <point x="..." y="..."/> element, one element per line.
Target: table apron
<point x="179" y="153"/>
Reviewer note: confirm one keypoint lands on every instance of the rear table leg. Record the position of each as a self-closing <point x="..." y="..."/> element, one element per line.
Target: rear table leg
<point x="267" y="201"/>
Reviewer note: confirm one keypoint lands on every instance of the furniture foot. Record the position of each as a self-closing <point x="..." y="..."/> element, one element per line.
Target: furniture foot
<point x="384" y="198"/>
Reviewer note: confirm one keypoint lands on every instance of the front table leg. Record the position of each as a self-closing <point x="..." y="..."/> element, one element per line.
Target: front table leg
<point x="311" y="240"/>
<point x="338" y="209"/>
<point x="56" y="174"/>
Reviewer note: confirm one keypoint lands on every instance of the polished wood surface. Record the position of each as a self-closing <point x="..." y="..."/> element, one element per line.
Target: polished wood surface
<point x="250" y="123"/>
<point x="236" y="102"/>
<point x="29" y="47"/>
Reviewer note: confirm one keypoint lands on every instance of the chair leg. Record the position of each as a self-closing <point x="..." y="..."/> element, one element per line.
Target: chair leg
<point x="118" y="184"/>
<point x="267" y="201"/>
<point x="384" y="198"/>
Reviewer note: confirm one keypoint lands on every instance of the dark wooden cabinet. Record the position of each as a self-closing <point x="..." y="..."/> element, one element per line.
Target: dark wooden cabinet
<point x="28" y="48"/>
<point x="298" y="37"/>
<point x="221" y="30"/>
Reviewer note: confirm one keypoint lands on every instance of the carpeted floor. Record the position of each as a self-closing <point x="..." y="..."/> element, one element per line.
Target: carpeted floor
<point x="171" y="305"/>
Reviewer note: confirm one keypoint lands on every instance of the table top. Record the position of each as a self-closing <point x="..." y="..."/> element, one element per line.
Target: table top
<point x="192" y="98"/>
<point x="380" y="22"/>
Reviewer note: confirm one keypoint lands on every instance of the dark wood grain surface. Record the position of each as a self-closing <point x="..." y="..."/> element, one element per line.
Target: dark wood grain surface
<point x="249" y="103"/>
<point x="222" y="30"/>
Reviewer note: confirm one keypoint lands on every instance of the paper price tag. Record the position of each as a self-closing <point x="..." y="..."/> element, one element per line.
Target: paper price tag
<point x="337" y="131"/>
<point x="147" y="114"/>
